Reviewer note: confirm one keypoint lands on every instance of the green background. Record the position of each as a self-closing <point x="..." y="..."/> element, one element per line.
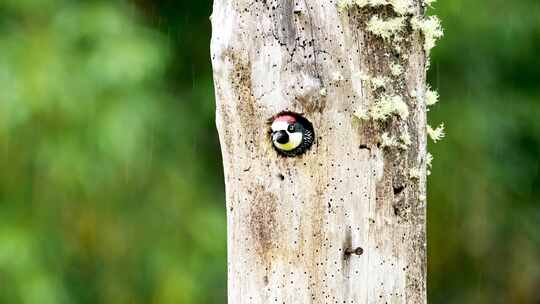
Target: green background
<point x="111" y="187"/>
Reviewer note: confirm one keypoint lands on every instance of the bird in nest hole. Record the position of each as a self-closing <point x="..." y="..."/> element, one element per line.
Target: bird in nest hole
<point x="291" y="134"/>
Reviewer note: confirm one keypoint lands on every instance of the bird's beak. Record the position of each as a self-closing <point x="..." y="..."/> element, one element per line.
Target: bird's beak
<point x="280" y="137"/>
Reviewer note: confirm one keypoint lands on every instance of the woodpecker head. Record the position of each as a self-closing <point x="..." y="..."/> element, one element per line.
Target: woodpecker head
<point x="291" y="134"/>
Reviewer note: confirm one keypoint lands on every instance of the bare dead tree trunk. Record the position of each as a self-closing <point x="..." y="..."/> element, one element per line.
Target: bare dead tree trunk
<point x="357" y="72"/>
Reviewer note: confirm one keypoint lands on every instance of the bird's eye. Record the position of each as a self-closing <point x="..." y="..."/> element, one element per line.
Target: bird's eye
<point x="290" y="128"/>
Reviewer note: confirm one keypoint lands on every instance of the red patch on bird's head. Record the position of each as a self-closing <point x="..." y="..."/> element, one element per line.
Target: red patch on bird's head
<point x="286" y="117"/>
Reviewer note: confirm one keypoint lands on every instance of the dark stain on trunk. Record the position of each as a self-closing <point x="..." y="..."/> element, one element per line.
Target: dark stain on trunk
<point x="263" y="224"/>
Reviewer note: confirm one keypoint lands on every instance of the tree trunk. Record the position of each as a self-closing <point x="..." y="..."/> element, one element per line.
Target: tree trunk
<point x="294" y="222"/>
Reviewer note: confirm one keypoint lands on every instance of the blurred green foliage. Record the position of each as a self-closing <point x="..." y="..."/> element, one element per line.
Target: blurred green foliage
<point x="110" y="185"/>
<point x="110" y="173"/>
<point x="484" y="194"/>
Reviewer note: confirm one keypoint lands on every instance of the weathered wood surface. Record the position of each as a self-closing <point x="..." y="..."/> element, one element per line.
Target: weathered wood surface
<point x="290" y="220"/>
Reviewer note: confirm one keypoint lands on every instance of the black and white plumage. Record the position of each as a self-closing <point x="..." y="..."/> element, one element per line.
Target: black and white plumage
<point x="291" y="134"/>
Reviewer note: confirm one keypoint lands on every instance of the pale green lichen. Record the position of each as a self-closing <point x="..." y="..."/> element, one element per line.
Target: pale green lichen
<point x="386" y="28"/>
<point x="405" y="140"/>
<point x="361" y="114"/>
<point x="431" y="29"/>
<point x="376" y="82"/>
<point x="436" y="134"/>
<point x="389" y="30"/>
<point x="400" y="107"/>
<point x="344" y="4"/>
<point x="385" y="107"/>
<point x="323" y="92"/>
<point x="401" y="7"/>
<point x="429" y="2"/>
<point x="362" y="3"/>
<point x="432" y="97"/>
<point x="388" y="141"/>
<point x="396" y="69"/>
<point x="429" y="161"/>
<point x="415" y="173"/>
<point x="379" y="81"/>
<point x="364" y="77"/>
